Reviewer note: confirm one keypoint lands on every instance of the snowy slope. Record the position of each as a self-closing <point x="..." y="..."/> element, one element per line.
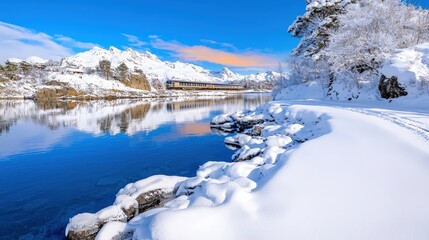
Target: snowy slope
<point x="368" y="182"/>
<point x="227" y="74"/>
<point x="30" y="60"/>
<point x="365" y="183"/>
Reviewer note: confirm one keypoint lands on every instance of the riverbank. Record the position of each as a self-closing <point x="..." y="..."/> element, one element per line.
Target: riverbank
<point x="117" y="142"/>
<point x="89" y="87"/>
<point x="59" y="94"/>
<point x="299" y="166"/>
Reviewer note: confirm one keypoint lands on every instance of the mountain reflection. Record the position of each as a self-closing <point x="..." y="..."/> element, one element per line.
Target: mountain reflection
<point x="123" y="116"/>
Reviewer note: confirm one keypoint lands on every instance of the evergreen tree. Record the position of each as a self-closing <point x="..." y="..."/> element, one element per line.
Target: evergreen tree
<point x="105" y="68"/>
<point x="122" y="72"/>
<point x="25" y="68"/>
<point x="313" y="27"/>
<point x="11" y="70"/>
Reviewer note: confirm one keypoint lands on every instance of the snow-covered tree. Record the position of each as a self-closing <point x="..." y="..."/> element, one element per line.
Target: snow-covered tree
<point x="122" y="72"/>
<point x="104" y="66"/>
<point x="368" y="32"/>
<point x="345" y="42"/>
<point x="314" y="26"/>
<point x="11" y="70"/>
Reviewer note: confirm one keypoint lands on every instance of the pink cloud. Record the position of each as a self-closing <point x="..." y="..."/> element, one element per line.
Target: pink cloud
<point x="208" y="54"/>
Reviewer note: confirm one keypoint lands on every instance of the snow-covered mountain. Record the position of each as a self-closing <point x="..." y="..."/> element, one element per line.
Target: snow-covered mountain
<point x="154" y="68"/>
<point x="79" y="72"/>
<point x="30" y="60"/>
<point x="227" y="74"/>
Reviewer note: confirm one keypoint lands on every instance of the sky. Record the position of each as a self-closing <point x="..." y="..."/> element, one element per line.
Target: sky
<point x="242" y="35"/>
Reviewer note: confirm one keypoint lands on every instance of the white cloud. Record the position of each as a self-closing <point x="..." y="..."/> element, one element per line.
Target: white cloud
<point x="20" y="42"/>
<point x="70" y="42"/>
<point x="134" y="41"/>
<point x="153" y="36"/>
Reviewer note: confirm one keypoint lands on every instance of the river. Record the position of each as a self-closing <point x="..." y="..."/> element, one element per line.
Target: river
<point x="58" y="159"/>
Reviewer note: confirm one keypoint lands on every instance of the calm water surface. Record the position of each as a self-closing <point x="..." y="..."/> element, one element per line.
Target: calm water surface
<point x="58" y="159"/>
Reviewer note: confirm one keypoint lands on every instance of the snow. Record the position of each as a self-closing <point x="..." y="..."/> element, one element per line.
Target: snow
<point x="36" y="60"/>
<point x="152" y="183"/>
<point x="323" y="170"/>
<point x="154" y="68"/>
<point x="112" y="213"/>
<point x="125" y="198"/>
<point x="411" y="66"/>
<point x="79" y="71"/>
<point x="111" y="230"/>
<point x="314" y="4"/>
<point x="278" y="141"/>
<point x="30" y="60"/>
<point x="319" y="170"/>
<point x="312" y="90"/>
<point x="82" y="222"/>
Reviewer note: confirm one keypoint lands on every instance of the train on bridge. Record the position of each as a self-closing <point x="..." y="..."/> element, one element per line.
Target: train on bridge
<point x="186" y="85"/>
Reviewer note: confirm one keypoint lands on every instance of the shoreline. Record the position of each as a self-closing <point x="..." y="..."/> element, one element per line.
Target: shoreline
<point x="151" y="95"/>
<point x="272" y="173"/>
<point x="254" y="148"/>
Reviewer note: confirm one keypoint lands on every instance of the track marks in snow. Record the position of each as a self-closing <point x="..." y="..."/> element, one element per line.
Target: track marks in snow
<point x="419" y="128"/>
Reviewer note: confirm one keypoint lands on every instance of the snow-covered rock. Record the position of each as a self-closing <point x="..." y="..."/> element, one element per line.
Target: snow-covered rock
<point x="133" y="199"/>
<point x="411" y="67"/>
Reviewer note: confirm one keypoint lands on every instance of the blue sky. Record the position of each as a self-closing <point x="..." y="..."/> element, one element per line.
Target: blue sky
<point x="251" y="32"/>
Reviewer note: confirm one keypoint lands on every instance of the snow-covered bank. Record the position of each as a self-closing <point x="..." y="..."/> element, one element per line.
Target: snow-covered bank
<point x="89" y="87"/>
<point x="306" y="170"/>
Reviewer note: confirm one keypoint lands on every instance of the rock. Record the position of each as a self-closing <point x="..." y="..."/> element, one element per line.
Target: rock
<point x="86" y="226"/>
<point x="137" y="81"/>
<point x="153" y="199"/>
<point x="390" y="88"/>
<point x="83" y="235"/>
<point x="83" y="226"/>
<point x="55" y="93"/>
<point x="246" y="153"/>
<point x="220" y="120"/>
<point x="249" y="122"/>
<point x="232" y="142"/>
<point x="257" y="130"/>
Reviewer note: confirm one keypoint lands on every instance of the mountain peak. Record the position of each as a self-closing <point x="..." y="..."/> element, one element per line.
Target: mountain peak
<point x="36" y="60"/>
<point x="96" y="48"/>
<point x="114" y="50"/>
<point x="227" y="71"/>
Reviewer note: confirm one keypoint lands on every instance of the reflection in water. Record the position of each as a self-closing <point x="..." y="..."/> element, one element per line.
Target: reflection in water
<point x="58" y="159"/>
<point x="198" y="129"/>
<point x="120" y="116"/>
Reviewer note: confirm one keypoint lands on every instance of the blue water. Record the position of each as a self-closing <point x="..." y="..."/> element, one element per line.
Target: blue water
<point x="60" y="159"/>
